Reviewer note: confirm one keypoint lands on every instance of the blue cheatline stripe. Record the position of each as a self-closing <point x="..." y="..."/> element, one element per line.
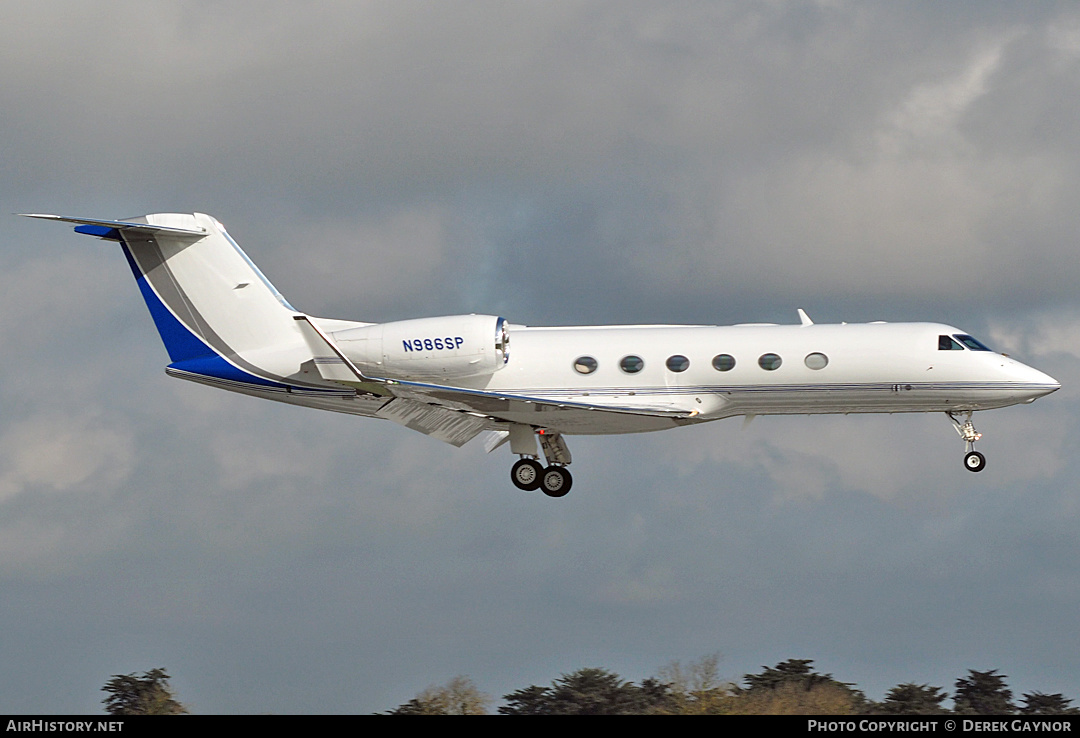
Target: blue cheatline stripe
<point x="217" y="367"/>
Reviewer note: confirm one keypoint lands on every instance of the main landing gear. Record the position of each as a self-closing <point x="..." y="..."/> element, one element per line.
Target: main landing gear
<point x="529" y="474"/>
<point x="973" y="460"/>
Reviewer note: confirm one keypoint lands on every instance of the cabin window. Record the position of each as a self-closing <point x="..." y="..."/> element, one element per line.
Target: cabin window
<point x="678" y="363"/>
<point x="944" y="343"/>
<point x="632" y="364"/>
<point x="585" y="365"/>
<point x="816" y="360"/>
<point x="770" y="362"/>
<point x="723" y="362"/>
<point x="970" y="342"/>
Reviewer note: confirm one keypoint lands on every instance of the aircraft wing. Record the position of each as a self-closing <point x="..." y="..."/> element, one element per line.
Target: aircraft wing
<point x="458" y="414"/>
<point x="457" y="411"/>
<point x="496" y="403"/>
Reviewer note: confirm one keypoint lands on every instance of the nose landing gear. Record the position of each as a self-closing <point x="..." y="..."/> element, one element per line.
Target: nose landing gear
<point x="973" y="460"/>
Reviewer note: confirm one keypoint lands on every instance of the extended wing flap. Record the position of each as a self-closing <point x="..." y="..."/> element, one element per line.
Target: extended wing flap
<point x="453" y="427"/>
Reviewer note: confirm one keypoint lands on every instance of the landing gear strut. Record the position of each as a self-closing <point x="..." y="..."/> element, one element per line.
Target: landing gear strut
<point x="973" y="460"/>
<point x="528" y="474"/>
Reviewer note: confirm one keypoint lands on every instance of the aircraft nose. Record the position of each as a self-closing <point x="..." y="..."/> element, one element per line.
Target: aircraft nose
<point x="1036" y="384"/>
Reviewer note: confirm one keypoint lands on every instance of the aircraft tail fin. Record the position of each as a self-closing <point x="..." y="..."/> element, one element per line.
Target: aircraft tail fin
<point x="210" y="303"/>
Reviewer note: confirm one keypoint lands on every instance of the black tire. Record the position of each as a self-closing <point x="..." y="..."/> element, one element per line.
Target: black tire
<point x="556" y="481"/>
<point x="527" y="474"/>
<point x="974" y="461"/>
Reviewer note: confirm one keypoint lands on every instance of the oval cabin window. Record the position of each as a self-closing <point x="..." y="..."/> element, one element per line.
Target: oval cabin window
<point x="678" y="363"/>
<point x="770" y="362"/>
<point x="585" y="365"/>
<point x="723" y="362"/>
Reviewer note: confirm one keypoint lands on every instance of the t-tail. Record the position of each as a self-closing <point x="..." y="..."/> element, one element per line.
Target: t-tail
<point x="221" y="320"/>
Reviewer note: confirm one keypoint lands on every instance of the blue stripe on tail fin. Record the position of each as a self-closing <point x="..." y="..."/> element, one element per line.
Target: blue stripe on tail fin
<point x="180" y="342"/>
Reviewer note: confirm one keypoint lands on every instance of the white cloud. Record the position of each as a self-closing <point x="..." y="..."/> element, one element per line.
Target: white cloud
<point x="63" y="453"/>
<point x="1040" y="336"/>
<point x="926" y="122"/>
<point x="60" y="477"/>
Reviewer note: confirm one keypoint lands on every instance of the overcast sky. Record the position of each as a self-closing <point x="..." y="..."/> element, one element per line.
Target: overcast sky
<point x="555" y="163"/>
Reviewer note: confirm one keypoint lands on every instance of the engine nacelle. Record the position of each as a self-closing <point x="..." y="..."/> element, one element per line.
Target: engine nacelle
<point x="453" y="347"/>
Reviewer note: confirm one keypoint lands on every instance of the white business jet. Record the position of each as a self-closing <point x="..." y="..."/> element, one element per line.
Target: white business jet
<point x="455" y="377"/>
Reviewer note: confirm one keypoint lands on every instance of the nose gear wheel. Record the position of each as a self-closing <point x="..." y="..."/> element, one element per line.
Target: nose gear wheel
<point x="973" y="460"/>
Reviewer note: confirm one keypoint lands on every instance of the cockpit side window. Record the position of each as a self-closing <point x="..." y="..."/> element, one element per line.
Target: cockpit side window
<point x="970" y="342"/>
<point x="945" y="343"/>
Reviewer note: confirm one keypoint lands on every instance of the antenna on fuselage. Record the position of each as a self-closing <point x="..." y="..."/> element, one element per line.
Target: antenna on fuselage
<point x="804" y="318"/>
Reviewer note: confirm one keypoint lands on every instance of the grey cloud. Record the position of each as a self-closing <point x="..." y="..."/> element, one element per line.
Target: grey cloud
<point x="568" y="162"/>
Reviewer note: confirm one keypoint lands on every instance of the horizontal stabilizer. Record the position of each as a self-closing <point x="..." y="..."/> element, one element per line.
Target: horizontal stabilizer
<point x="121" y="225"/>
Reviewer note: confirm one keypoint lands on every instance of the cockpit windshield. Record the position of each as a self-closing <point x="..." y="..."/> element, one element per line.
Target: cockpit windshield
<point x="970" y="342"/>
<point x="958" y="341"/>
